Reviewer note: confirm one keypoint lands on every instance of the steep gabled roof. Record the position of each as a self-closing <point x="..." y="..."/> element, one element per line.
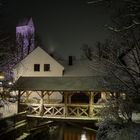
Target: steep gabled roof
<point x="37" y="49"/>
<point x="25" y="21"/>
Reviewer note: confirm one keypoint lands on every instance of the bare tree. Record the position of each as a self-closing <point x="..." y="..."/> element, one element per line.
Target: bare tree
<point x="120" y="55"/>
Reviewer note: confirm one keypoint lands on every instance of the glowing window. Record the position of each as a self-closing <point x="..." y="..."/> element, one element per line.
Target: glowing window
<point x="36" y="67"/>
<point x="46" y="67"/>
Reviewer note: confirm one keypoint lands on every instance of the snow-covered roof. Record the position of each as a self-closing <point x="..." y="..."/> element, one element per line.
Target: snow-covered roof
<point x="84" y="67"/>
<point x="89" y="83"/>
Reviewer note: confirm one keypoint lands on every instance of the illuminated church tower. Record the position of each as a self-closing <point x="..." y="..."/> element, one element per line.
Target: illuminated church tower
<point x="25" y="33"/>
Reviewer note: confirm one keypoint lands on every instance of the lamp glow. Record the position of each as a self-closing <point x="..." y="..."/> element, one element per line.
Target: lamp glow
<point x="10" y="83"/>
<point x="1" y="77"/>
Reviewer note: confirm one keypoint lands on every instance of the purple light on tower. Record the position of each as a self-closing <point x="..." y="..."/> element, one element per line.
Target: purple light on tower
<point x="25" y="37"/>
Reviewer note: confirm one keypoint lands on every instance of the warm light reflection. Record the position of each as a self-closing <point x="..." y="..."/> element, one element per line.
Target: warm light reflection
<point x="1" y="77"/>
<point x="83" y="136"/>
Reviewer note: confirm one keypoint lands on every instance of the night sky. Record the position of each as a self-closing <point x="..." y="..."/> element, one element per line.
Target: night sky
<point x="64" y="26"/>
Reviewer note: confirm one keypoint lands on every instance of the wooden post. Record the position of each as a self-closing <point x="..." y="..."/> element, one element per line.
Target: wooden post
<point x="18" y="102"/>
<point x="69" y="99"/>
<point x="91" y="102"/>
<point x="65" y="102"/>
<point x="41" y="104"/>
<point x="48" y="97"/>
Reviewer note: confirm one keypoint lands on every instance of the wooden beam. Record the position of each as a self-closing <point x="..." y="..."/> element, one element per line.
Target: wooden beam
<point x="69" y="98"/>
<point x="91" y="102"/>
<point x="22" y="92"/>
<point x="66" y="102"/>
<point x="41" y="103"/>
<point x="18" y="101"/>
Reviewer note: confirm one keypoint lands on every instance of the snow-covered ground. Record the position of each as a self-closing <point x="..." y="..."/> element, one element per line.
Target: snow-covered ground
<point x="8" y="110"/>
<point x="136" y="117"/>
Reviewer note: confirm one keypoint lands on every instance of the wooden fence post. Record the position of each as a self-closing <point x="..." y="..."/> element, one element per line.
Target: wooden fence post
<point x="65" y="102"/>
<point x="18" y="103"/>
<point x="91" y="102"/>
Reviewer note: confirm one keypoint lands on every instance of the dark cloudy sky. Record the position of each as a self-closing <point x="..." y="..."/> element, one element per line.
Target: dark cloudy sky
<point x="64" y="25"/>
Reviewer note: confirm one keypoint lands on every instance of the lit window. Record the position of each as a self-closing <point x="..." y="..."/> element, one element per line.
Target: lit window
<point x="36" y="67"/>
<point x="46" y="67"/>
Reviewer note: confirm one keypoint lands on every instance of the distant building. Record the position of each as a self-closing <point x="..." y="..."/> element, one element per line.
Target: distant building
<point x="25" y="33"/>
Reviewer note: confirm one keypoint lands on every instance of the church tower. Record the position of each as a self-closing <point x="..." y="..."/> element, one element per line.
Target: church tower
<point x="25" y="34"/>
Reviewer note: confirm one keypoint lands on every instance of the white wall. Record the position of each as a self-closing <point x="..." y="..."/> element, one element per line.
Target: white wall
<point x="38" y="56"/>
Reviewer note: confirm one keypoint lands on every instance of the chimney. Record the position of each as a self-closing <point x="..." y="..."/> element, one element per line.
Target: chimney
<point x="70" y="60"/>
<point x="52" y="55"/>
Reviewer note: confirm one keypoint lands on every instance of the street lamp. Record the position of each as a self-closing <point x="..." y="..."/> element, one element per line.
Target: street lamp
<point x="10" y="83"/>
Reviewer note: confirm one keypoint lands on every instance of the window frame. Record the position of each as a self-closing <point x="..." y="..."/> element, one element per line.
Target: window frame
<point x="36" y="67"/>
<point x="46" y="67"/>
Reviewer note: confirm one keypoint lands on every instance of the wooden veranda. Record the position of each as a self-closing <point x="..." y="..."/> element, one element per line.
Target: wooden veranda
<point x="64" y="109"/>
<point x="86" y="106"/>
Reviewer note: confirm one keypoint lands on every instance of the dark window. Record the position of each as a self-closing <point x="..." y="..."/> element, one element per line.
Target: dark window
<point x="36" y="67"/>
<point x="46" y="67"/>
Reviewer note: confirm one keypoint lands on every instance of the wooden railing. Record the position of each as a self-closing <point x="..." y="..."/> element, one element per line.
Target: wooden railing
<point x="77" y="110"/>
<point x="53" y="110"/>
<point x="61" y="110"/>
<point x="11" y="126"/>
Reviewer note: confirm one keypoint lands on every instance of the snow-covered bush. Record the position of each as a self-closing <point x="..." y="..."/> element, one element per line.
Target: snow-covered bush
<point x="112" y="130"/>
<point x="116" y="123"/>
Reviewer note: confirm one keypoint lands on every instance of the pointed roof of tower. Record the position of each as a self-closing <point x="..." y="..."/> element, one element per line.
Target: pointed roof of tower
<point x="25" y="21"/>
